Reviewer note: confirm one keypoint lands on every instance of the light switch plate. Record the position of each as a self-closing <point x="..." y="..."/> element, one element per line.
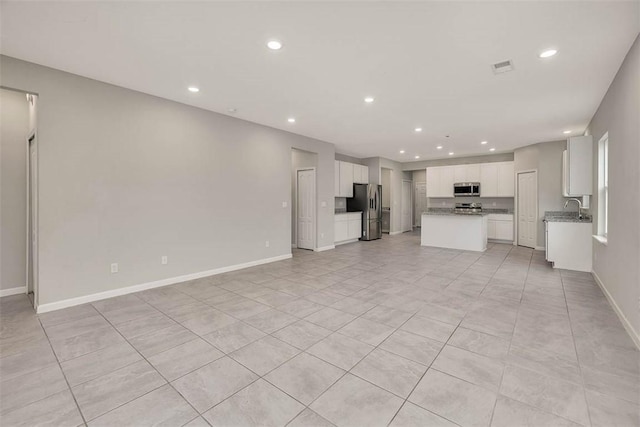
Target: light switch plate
<point x="323" y="204"/>
<point x="284" y="204"/>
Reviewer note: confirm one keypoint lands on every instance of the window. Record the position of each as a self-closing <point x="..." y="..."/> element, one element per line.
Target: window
<point x="603" y="186"/>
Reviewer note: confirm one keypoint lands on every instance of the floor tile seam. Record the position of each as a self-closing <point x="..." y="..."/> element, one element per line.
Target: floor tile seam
<point x="502" y="380"/>
<point x="575" y="348"/>
<point x="429" y="367"/>
<point x="348" y="371"/>
<point x="459" y="325"/>
<point x="153" y="367"/>
<point x="67" y="321"/>
<point x="75" y="400"/>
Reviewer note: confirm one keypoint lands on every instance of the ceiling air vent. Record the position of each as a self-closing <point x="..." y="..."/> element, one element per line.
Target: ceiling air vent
<point x="502" y="67"/>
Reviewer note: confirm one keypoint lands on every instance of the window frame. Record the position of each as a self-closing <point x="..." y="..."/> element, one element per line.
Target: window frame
<point x="603" y="188"/>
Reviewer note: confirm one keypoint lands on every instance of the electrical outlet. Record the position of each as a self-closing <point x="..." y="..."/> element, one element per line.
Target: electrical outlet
<point x="114" y="267"/>
<point x="284" y="204"/>
<point x="165" y="260"/>
<point x="266" y="244"/>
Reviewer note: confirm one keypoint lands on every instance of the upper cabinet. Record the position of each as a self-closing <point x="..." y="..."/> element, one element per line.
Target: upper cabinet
<point x="360" y="174"/>
<point x="577" y="167"/>
<point x="347" y="174"/>
<point x="496" y="179"/>
<point x="440" y="181"/>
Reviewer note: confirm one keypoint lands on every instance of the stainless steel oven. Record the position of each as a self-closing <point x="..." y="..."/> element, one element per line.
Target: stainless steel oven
<point x="466" y="189"/>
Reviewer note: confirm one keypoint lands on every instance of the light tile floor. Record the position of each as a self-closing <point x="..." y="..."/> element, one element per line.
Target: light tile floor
<point x="372" y="333"/>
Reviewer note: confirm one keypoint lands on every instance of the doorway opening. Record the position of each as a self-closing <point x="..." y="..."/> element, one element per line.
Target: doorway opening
<point x="303" y="200"/>
<point x="527" y="208"/>
<point x="387" y="214"/>
<point x="32" y="218"/>
<point x="407" y="206"/>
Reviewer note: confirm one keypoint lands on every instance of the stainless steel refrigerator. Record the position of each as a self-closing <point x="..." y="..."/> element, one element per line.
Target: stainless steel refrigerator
<point x="367" y="198"/>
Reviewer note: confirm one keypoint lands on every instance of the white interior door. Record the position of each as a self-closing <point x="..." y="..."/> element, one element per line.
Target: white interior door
<point x="420" y="202"/>
<point x="527" y="209"/>
<point x="306" y="208"/>
<point x="406" y="206"/>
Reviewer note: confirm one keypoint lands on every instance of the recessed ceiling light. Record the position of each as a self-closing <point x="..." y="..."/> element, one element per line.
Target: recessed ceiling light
<point x="566" y="132"/>
<point x="548" y="53"/>
<point x="291" y="120"/>
<point x="439" y="147"/>
<point x="369" y="99"/>
<point x="274" y="45"/>
<point x="417" y="157"/>
<point x="483" y="142"/>
<point x="492" y="149"/>
<point x="193" y="89"/>
<point x="401" y="151"/>
<point x="418" y="129"/>
<point x="451" y="153"/>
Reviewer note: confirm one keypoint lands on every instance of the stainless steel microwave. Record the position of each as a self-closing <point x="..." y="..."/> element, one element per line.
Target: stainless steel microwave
<point x="466" y="189"/>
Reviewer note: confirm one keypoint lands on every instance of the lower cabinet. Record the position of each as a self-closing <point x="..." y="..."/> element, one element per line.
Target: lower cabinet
<point x="347" y="227"/>
<point x="568" y="245"/>
<point x="500" y="227"/>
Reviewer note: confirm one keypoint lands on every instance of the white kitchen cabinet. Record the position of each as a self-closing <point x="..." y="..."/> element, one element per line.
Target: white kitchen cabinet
<point x="466" y="173"/>
<point x="360" y="174"/>
<point x="447" y="178"/>
<point x="433" y="182"/>
<point x="497" y="179"/>
<point x="344" y="179"/>
<point x="577" y="167"/>
<point x="500" y="227"/>
<point x="473" y="173"/>
<point x="568" y="245"/>
<point x="336" y="182"/>
<point x="347" y="227"/>
<point x="489" y="180"/>
<point x="440" y="181"/>
<point x="506" y="177"/>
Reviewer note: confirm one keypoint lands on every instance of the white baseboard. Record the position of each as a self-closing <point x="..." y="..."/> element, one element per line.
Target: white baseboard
<point x="635" y="337"/>
<point x="394" y="233"/>
<point x="539" y="248"/>
<point x="13" y="291"/>
<point x="44" y="308"/>
<point x="325" y="248"/>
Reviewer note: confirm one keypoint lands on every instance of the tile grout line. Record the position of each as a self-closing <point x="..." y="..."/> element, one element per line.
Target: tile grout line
<point x="434" y="359"/>
<point x="84" y="420"/>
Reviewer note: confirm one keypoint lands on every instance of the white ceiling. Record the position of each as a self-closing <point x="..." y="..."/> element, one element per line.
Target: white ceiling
<point x="426" y="63"/>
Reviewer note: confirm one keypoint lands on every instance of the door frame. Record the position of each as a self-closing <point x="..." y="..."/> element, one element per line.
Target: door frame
<point x="32" y="214"/>
<point x="516" y="220"/>
<point x="315" y="205"/>
<point x="411" y="190"/>
<point x="415" y="200"/>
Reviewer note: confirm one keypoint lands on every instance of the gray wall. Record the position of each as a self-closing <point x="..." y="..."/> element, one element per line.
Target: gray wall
<point x="490" y="158"/>
<point x="616" y="264"/>
<point x="345" y="158"/>
<point x="299" y="159"/>
<point x="546" y="157"/>
<point x="127" y="177"/>
<point x="14" y="117"/>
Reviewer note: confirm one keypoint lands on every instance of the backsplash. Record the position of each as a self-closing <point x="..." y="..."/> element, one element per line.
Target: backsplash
<point x="487" y="202"/>
<point x="341" y="204"/>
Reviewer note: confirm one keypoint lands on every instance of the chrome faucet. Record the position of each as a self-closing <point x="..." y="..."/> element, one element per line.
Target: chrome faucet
<point x="579" y="206"/>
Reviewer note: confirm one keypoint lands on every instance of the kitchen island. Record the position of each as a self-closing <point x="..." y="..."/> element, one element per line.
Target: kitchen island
<point x="447" y="229"/>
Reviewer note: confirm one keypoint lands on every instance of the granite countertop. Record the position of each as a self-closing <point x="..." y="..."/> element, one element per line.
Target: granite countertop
<point x="450" y="212"/>
<point x="561" y="216"/>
